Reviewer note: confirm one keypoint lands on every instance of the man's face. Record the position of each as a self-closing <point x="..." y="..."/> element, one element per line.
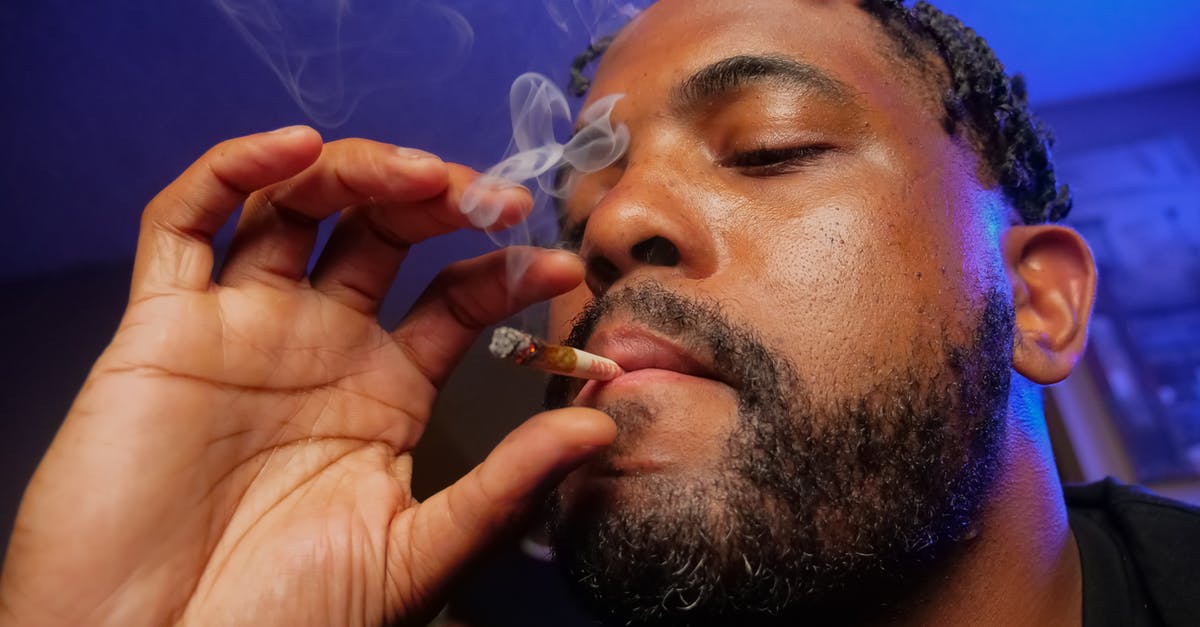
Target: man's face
<point x="804" y="272"/>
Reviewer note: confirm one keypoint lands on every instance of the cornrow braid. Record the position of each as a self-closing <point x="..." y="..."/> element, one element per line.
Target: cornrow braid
<point x="980" y="97"/>
<point x="579" y="82"/>
<point x="992" y="106"/>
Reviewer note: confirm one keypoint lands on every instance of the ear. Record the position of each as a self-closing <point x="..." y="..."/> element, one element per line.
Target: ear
<point x="1054" y="282"/>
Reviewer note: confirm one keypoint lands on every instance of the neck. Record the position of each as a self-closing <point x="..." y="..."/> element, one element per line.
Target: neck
<point x="1023" y="567"/>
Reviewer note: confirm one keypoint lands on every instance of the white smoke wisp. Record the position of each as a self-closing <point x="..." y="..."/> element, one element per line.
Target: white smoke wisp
<point x="330" y="54"/>
<point x="598" y="18"/>
<point x="535" y="154"/>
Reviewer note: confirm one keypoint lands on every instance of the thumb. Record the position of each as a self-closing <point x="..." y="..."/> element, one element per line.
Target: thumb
<point x="430" y="544"/>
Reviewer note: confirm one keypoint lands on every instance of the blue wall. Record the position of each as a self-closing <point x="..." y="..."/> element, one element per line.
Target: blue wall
<point x="104" y="103"/>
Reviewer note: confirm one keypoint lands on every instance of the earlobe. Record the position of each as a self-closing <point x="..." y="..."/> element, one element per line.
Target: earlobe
<point x="1054" y="282"/>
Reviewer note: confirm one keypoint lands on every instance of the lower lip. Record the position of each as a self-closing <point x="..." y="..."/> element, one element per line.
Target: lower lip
<point x="636" y="379"/>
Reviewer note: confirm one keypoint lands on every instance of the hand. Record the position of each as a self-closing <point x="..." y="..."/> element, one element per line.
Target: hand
<point x="240" y="453"/>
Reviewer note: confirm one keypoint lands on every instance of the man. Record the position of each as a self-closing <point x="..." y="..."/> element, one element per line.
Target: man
<point x="825" y="263"/>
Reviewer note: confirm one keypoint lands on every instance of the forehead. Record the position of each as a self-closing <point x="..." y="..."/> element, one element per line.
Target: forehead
<point x="674" y="38"/>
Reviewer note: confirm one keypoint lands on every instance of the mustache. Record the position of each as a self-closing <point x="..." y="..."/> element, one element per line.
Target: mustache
<point x="699" y="325"/>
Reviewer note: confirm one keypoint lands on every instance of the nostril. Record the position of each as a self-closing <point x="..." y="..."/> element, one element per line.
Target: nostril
<point x="656" y="251"/>
<point x="601" y="273"/>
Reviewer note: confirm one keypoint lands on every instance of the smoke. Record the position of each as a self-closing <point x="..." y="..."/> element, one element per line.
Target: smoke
<point x="535" y="154"/>
<point x="329" y="54"/>
<point x="538" y="107"/>
<point x="597" y="17"/>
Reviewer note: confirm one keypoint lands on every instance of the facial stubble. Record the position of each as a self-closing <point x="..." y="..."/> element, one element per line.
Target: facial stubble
<point x="817" y="509"/>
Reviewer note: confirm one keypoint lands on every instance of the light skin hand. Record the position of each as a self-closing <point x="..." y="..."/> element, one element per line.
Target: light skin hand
<point x="240" y="453"/>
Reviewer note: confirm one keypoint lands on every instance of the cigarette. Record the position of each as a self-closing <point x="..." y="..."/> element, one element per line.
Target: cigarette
<point x="526" y="350"/>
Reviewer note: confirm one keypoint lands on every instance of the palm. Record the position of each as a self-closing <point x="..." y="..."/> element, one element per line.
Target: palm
<point x="282" y="365"/>
<point x="313" y="400"/>
<point x="239" y="453"/>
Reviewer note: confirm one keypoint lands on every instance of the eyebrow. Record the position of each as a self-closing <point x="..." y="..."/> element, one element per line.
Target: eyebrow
<point x="723" y="78"/>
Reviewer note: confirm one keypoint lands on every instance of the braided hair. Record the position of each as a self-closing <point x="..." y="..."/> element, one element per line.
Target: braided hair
<point x="977" y="97"/>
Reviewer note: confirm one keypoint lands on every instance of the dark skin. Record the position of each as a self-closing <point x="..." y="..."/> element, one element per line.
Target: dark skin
<point x="883" y="213"/>
<point x="219" y="467"/>
<point x="240" y="453"/>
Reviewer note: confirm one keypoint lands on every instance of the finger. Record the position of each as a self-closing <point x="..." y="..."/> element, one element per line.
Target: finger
<point x="175" y="241"/>
<point x="470" y="295"/>
<point x="275" y="236"/>
<point x="370" y="242"/>
<point x="433" y="542"/>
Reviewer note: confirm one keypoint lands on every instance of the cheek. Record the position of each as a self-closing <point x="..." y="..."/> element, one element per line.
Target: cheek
<point x="846" y="292"/>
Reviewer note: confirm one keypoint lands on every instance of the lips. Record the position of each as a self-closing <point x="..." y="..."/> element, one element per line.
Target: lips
<point x="645" y="357"/>
<point x="637" y="349"/>
<point x="650" y="361"/>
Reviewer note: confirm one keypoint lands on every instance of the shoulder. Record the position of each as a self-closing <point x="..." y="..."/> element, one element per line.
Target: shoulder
<point x="1132" y="508"/>
<point x="1159" y="537"/>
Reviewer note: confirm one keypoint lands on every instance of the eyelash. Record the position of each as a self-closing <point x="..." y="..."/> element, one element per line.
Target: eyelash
<point x="772" y="161"/>
<point x="758" y="162"/>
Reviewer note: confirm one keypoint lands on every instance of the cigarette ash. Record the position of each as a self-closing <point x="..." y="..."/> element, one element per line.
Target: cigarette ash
<point x="507" y="342"/>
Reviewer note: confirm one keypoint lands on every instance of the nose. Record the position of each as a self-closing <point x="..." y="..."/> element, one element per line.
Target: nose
<point x="645" y="225"/>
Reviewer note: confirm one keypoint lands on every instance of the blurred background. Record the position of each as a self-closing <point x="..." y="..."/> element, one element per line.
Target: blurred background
<point x="104" y="103"/>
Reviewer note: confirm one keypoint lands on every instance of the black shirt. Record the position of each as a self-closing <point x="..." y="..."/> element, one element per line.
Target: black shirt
<point x="1139" y="553"/>
<point x="1140" y="556"/>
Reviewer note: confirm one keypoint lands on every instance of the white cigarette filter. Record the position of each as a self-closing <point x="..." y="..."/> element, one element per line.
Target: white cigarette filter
<point x="526" y="350"/>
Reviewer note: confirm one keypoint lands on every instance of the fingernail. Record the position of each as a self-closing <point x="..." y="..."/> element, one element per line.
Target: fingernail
<point x="413" y="153"/>
<point x="289" y="130"/>
<point x="565" y="254"/>
<point x="517" y="193"/>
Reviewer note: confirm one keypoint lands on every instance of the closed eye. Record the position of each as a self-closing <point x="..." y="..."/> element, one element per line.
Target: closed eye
<point x="772" y="161"/>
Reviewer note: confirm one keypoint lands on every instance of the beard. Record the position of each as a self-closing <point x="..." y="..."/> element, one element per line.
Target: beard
<point x="820" y="509"/>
